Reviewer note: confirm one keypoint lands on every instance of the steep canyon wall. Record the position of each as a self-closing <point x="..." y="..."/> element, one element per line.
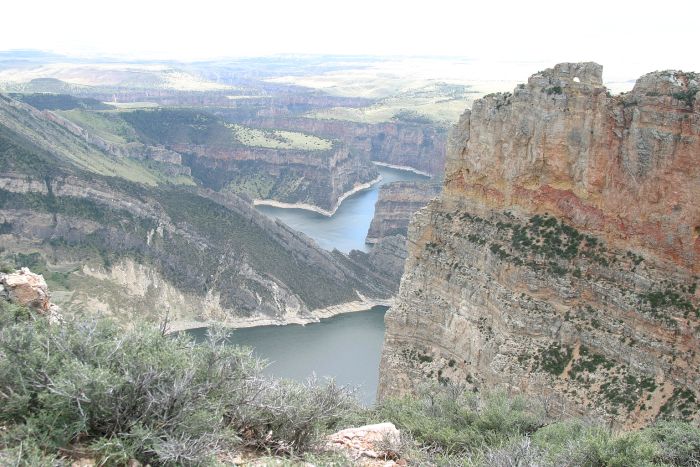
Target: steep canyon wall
<point x="562" y="258"/>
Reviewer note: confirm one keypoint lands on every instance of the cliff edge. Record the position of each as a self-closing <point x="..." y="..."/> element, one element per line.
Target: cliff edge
<point x="561" y="259"/>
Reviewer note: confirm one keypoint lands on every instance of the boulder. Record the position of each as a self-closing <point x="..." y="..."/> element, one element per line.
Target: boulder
<point x="25" y="288"/>
<point x="369" y="445"/>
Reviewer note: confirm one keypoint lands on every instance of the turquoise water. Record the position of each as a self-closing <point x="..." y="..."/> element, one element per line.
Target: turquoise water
<point x="346" y="347"/>
<point x="347" y="228"/>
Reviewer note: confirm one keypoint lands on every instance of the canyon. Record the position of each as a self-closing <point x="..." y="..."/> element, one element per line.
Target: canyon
<point x="561" y="259"/>
<point x="115" y="236"/>
<point x="132" y="189"/>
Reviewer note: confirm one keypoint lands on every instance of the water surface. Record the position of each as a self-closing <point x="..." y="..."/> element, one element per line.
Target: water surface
<point x="346" y="347"/>
<point x="347" y="228"/>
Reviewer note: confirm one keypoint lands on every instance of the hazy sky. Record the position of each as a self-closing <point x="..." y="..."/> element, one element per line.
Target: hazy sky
<point x="636" y="36"/>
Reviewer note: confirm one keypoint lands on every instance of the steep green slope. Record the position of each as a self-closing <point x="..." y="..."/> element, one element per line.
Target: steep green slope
<point x="122" y="247"/>
<point x="50" y="101"/>
<point x="31" y="126"/>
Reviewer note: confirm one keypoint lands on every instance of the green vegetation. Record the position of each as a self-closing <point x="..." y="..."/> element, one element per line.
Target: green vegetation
<point x="682" y="403"/>
<point x="554" y="239"/>
<point x="49" y="148"/>
<point x="411" y="116"/>
<point x="46" y="101"/>
<point x="555" y="359"/>
<point x="449" y="421"/>
<point x="91" y="388"/>
<point x="278" y="139"/>
<point x="195" y="128"/>
<point x="228" y="233"/>
<point x="476" y="239"/>
<point x="588" y="361"/>
<point x="497" y="250"/>
<point x="635" y="258"/>
<point x="179" y="126"/>
<point x="437" y="104"/>
<point x="54" y="279"/>
<point x="548" y="244"/>
<point x="46" y="85"/>
<point x="107" y="125"/>
<point x="626" y="392"/>
<point x="553" y="90"/>
<point x="24" y="157"/>
<point x="253" y="178"/>
<point x="659" y="300"/>
<point x="415" y="355"/>
<point x="686" y="96"/>
<point x="448" y="426"/>
<point x="544" y="243"/>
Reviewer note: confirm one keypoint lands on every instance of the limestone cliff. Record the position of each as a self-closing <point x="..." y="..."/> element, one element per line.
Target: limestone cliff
<point x="561" y="259"/>
<point x="396" y="204"/>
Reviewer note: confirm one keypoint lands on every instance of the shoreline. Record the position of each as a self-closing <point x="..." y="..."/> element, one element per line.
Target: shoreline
<point x="256" y="321"/>
<point x="316" y="209"/>
<point x="402" y="167"/>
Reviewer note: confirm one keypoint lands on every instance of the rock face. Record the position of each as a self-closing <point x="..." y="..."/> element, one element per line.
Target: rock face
<point x="397" y="202"/>
<point x="387" y="257"/>
<point x="25" y="288"/>
<point x="314" y="178"/>
<point x="263" y="165"/>
<point x="420" y="146"/>
<point x="561" y="259"/>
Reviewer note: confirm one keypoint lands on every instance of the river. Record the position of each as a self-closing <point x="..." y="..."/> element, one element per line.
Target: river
<point x="346" y="347"/>
<point x="347" y="228"/>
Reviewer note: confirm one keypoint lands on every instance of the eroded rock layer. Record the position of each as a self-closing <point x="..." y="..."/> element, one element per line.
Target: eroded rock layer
<point x="420" y="146"/>
<point x="561" y="259"/>
<point x="397" y="202"/>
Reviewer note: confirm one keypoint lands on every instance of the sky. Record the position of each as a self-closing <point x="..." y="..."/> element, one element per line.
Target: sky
<point x="628" y="37"/>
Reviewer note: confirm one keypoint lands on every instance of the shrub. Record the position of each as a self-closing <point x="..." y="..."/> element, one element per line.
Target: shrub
<point x="90" y="386"/>
<point x="575" y="442"/>
<point x="450" y="420"/>
<point x="518" y="453"/>
<point x="290" y="417"/>
<point x="686" y="96"/>
<point x="678" y="443"/>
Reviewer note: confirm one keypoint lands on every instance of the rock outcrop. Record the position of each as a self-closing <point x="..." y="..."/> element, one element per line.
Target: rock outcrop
<point x="368" y="445"/>
<point x="397" y="202"/>
<point x="561" y="260"/>
<point x="27" y="289"/>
